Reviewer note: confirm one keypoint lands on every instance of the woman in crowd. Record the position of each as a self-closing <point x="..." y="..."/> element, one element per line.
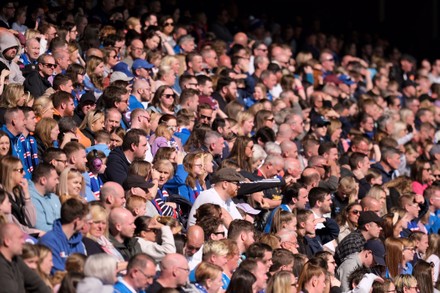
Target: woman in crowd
<point x="242" y="152"/>
<point x="399" y="254"/>
<point x="166" y="24"/>
<point x="46" y="135"/>
<point x="421" y="176"/>
<point x="93" y="80"/>
<point x="283" y="220"/>
<point x="16" y="186"/>
<point x="96" y="164"/>
<point x="164" y="100"/>
<point x="433" y="254"/>
<point x="406" y="283"/>
<point x="312" y="279"/>
<point x="71" y="184"/>
<point x="5" y="144"/>
<point x="282" y="282"/>
<point x="149" y="233"/>
<point x="380" y="193"/>
<point x="393" y="224"/>
<point x="421" y="243"/>
<point x="44" y="264"/>
<point x="423" y="272"/>
<point x="76" y="72"/>
<point x="208" y="277"/>
<point x="331" y="267"/>
<point x="163" y="171"/>
<point x="242" y="281"/>
<point x="97" y="234"/>
<point x="245" y="121"/>
<point x="110" y="59"/>
<point x="93" y="122"/>
<point x="116" y="137"/>
<point x="193" y="164"/>
<point x="348" y="219"/>
<point x="100" y="274"/>
<point x="43" y="107"/>
<point x="264" y="118"/>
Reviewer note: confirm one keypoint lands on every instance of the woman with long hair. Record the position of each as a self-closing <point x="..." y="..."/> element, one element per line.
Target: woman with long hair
<point x="93" y="122"/>
<point x="164" y="100"/>
<point x="348" y="219"/>
<point x="399" y="254"/>
<point x="282" y="282"/>
<point x="245" y="121"/>
<point x="46" y="135"/>
<point x="242" y="281"/>
<point x="5" y="144"/>
<point x="195" y="184"/>
<point x="71" y="185"/>
<point x="433" y="254"/>
<point x="110" y="59"/>
<point x="163" y="171"/>
<point x="264" y="118"/>
<point x="242" y="153"/>
<point x="421" y="176"/>
<point x="76" y="72"/>
<point x="380" y="193"/>
<point x="423" y="272"/>
<point x="312" y="279"/>
<point x="93" y="80"/>
<point x="44" y="264"/>
<point x="15" y="185"/>
<point x="393" y="225"/>
<point x="283" y="220"/>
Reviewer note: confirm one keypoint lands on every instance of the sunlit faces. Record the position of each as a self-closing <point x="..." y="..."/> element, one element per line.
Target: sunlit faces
<point x="354" y="214"/>
<point x="98" y="227"/>
<point x="5" y="206"/>
<point x="5" y="145"/>
<point x="74" y="183"/>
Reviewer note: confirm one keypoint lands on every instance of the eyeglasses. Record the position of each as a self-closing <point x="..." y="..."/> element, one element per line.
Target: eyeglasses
<point x="168" y="96"/>
<point x="270" y="119"/>
<point x="114" y="57"/>
<point x="415" y="288"/>
<point x="198" y="165"/>
<point x="436" y="175"/>
<point x="145" y="275"/>
<point x="427" y="169"/>
<point x="329" y="59"/>
<point x="219" y="233"/>
<point x="61" y="161"/>
<point x="185" y="269"/>
<point x="21" y="170"/>
<point x="262" y="49"/>
<point x="49" y="65"/>
<point x="409" y="248"/>
<point x="168" y="24"/>
<point x="355" y="212"/>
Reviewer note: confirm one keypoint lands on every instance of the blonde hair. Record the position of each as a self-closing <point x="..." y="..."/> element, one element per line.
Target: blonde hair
<point x="207" y="271"/>
<point x="215" y="247"/>
<point x="135" y="202"/>
<point x="280" y="282"/>
<point x="42" y="105"/>
<point x="90" y="118"/>
<point x="43" y="130"/>
<point x="12" y="93"/>
<point x="404" y="281"/>
<point x="132" y="22"/>
<point x="242" y="117"/>
<point x="63" y="186"/>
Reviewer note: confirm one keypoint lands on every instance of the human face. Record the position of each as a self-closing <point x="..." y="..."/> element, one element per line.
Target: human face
<point x="168" y="26"/>
<point x="112" y="121"/>
<point x="320" y="130"/>
<point x="188" y="46"/>
<point x="427" y="173"/>
<point x="128" y="226"/>
<point x="5" y="206"/>
<point x="164" y="175"/>
<point x="249" y="149"/>
<point x="136" y="49"/>
<point x="33" y="49"/>
<point x="5" y="145"/>
<point x="98" y="124"/>
<point x="54" y="133"/>
<point x="291" y="225"/>
<point x="261" y="276"/>
<point x="267" y="259"/>
<point x="64" y="61"/>
<point x="208" y="165"/>
<point x="73" y="33"/>
<point x="394" y="161"/>
<point x="413" y="209"/>
<point x="198" y="167"/>
<point x="141" y="149"/>
<point x="331" y="263"/>
<point x="97" y="228"/>
<point x="247" y="126"/>
<point x="99" y="70"/>
<point x="145" y="277"/>
<point x="205" y="116"/>
<point x="167" y="98"/>
<point x="309" y="226"/>
<point x="69" y="108"/>
<point x="326" y="204"/>
<point x="423" y="244"/>
<point x="68" y="87"/>
<point x="206" y="89"/>
<point x="52" y="181"/>
<point x="231" y="90"/>
<point x="232" y="189"/>
<point x="115" y="141"/>
<point x="354" y="214"/>
<point x="81" y="160"/>
<point x="32" y="262"/>
<point x="303" y="199"/>
<point x="46" y="264"/>
<point x="233" y="262"/>
<point x="261" y="50"/>
<point x="19" y="122"/>
<point x="74" y="184"/>
<point x="216" y="284"/>
<point x="153" y="42"/>
<point x="48" y="66"/>
<point x="374" y="229"/>
<point x="408" y="253"/>
<point x="18" y="174"/>
<point x="218" y="146"/>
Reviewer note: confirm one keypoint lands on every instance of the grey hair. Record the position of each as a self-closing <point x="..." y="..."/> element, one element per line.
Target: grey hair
<point x="258" y="153"/>
<point x="272" y="148"/>
<point x="101" y="266"/>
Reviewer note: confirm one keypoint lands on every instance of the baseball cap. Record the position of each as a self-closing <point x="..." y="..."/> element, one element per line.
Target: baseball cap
<point x="118" y="75"/>
<point x="137" y="181"/>
<point x="319" y="121"/>
<point x="247" y="208"/>
<point x="141" y="63"/>
<point x="88" y="98"/>
<point x="227" y="174"/>
<point x="377" y="248"/>
<point x="368" y="217"/>
<point x="122" y="67"/>
<point x="346" y="79"/>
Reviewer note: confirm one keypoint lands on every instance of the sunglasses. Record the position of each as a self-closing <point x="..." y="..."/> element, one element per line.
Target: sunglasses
<point x="49" y="65"/>
<point x="21" y="170"/>
<point x="168" y="24"/>
<point x="355" y="212"/>
<point x="168" y="96"/>
<point x="219" y="233"/>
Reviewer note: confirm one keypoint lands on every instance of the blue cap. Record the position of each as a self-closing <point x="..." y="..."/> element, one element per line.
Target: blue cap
<point x="141" y="63"/>
<point x="123" y="67"/>
<point x="346" y="79"/>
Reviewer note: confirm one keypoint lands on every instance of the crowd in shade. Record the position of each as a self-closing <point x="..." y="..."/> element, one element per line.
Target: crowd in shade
<point x="146" y="147"/>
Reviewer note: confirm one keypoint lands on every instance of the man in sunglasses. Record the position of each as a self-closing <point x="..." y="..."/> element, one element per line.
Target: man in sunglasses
<point x="37" y="81"/>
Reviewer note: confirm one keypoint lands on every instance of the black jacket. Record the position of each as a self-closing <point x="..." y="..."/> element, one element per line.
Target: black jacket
<point x="36" y="84"/>
<point x="17" y="277"/>
<point x="117" y="167"/>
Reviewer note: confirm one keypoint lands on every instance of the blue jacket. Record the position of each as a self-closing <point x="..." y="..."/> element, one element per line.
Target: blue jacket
<point x="48" y="208"/>
<point x="17" y="148"/>
<point x="121" y="288"/>
<point x="189" y="193"/>
<point x="61" y="247"/>
<point x="270" y="218"/>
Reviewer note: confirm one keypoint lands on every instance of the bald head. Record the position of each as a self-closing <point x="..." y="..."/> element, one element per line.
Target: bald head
<point x="119" y="216"/>
<point x="369" y="203"/>
<point x="173" y="260"/>
<point x="241" y="38"/>
<point x="196" y="238"/>
<point x="174" y="270"/>
<point x="112" y="195"/>
<point x="310" y="177"/>
<point x="289" y="149"/>
<point x="94" y="52"/>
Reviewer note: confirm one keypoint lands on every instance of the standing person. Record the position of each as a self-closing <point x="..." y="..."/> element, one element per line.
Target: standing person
<point x="15" y="275"/>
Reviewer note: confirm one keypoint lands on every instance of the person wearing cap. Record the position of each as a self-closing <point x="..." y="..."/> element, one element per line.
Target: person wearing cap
<point x="369" y="227"/>
<point x="9" y="48"/>
<point x="121" y="71"/>
<point x="141" y="69"/>
<point x="372" y="253"/>
<point x="247" y="212"/>
<point x="225" y="186"/>
<point x="137" y="186"/>
<point x="318" y="127"/>
<point x="86" y="103"/>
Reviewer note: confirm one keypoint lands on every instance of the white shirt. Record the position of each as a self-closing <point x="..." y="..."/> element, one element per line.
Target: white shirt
<point x="211" y="196"/>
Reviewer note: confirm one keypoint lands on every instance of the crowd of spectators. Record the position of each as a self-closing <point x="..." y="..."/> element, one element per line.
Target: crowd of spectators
<point x="155" y="150"/>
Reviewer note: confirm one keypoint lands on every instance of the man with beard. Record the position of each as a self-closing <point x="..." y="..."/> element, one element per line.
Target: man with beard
<point x="223" y="127"/>
<point x="37" y="81"/>
<point x="9" y="48"/>
<point x="226" y="92"/>
<point x="42" y="190"/>
<point x="63" y="105"/>
<point x="140" y="95"/>
<point x="226" y="182"/>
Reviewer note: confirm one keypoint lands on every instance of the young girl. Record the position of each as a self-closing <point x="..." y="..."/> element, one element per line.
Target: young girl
<point x="283" y="220"/>
<point x="96" y="162"/>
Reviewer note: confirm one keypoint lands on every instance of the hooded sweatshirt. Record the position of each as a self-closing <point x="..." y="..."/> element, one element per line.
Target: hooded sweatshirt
<point x="8" y="40"/>
<point x="60" y="246"/>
